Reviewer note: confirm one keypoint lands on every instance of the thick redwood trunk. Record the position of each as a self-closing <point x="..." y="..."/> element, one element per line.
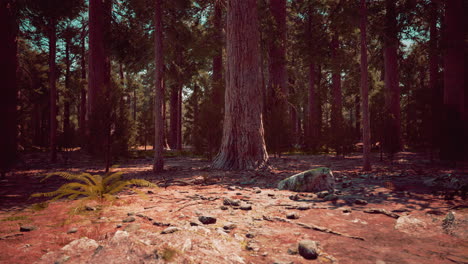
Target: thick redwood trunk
<point x="243" y="145"/>
<point x="365" y="91"/>
<point x="337" y="105"/>
<point x="8" y="100"/>
<point x="158" y="163"/>
<point x="392" y="138"/>
<point x="99" y="76"/>
<point x="455" y="115"/>
<point x="53" y="90"/>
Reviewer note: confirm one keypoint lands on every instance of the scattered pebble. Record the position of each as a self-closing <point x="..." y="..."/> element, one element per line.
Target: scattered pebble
<point x="360" y="202"/>
<point x="90" y="208"/>
<point x="249" y="235"/>
<point x="246" y="207"/>
<point x="129" y="219"/>
<point x="72" y="230"/>
<point x="27" y="228"/>
<point x="207" y="220"/>
<point x="170" y="230"/>
<point x="308" y="249"/>
<point x="229" y="226"/>
<point x="293" y="215"/>
<point x="222" y="207"/>
<point x="231" y="202"/>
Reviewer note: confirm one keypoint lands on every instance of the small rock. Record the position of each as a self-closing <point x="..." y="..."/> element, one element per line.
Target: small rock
<point x="293" y="250"/>
<point x="303" y="207"/>
<point x="130" y="213"/>
<point x="194" y="223"/>
<point x="118" y="225"/>
<point x="360" y="202"/>
<point x="150" y="192"/>
<point x="252" y="246"/>
<point x="90" y="208"/>
<point x="156" y="223"/>
<point x="322" y="194"/>
<point x="257" y="190"/>
<point x="293" y="215"/>
<point x="346" y="210"/>
<point x="132" y="227"/>
<point x="229" y="226"/>
<point x="246" y="207"/>
<point x="271" y="194"/>
<point x="129" y="219"/>
<point x="308" y="249"/>
<point x="207" y="220"/>
<point x="295" y="197"/>
<point x="410" y="225"/>
<point x="238" y="193"/>
<point x="224" y="208"/>
<point x="72" y="230"/>
<point x="330" y="197"/>
<point x="231" y="188"/>
<point x="249" y="235"/>
<point x="27" y="228"/>
<point x="231" y="202"/>
<point x="448" y="221"/>
<point x="170" y="230"/>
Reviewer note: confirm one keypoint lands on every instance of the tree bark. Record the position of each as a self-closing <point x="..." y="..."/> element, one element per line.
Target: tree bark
<point x="455" y="114"/>
<point x="392" y="140"/>
<point x="53" y="90"/>
<point x="158" y="163"/>
<point x="218" y="57"/>
<point x="337" y="105"/>
<point x="66" y="107"/>
<point x="8" y="100"/>
<point x="312" y="137"/>
<point x="365" y="91"/>
<point x="435" y="89"/>
<point x="83" y="92"/>
<point x="99" y="76"/>
<point x="243" y="145"/>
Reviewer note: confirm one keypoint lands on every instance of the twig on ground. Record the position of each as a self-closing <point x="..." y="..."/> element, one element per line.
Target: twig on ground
<point x="381" y="211"/>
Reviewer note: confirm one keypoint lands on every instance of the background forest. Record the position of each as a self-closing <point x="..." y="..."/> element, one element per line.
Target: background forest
<point x="80" y="76"/>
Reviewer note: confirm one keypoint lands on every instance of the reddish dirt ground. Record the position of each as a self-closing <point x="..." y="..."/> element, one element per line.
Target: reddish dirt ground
<point x="261" y="235"/>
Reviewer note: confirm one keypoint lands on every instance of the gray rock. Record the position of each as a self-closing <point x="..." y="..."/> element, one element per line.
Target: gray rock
<point x="118" y="225"/>
<point x="249" y="235"/>
<point x="293" y="250"/>
<point x="229" y="226"/>
<point x="81" y="245"/>
<point x="331" y="197"/>
<point x="231" y="188"/>
<point x="130" y="213"/>
<point x="170" y="230"/>
<point x="132" y="227"/>
<point x="231" y="202"/>
<point x="322" y="194"/>
<point x="129" y="219"/>
<point x="207" y="220"/>
<point x="222" y="207"/>
<point x="293" y="215"/>
<point x="303" y="207"/>
<point x="90" y="208"/>
<point x="72" y="230"/>
<point x="410" y="225"/>
<point x="246" y="207"/>
<point x="360" y="202"/>
<point x="295" y="197"/>
<point x="309" y="181"/>
<point x="156" y="223"/>
<point x="308" y="249"/>
<point x="27" y="228"/>
<point x="448" y="221"/>
<point x="271" y="194"/>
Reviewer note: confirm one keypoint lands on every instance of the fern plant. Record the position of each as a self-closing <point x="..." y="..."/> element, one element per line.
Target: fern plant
<point x="91" y="186"/>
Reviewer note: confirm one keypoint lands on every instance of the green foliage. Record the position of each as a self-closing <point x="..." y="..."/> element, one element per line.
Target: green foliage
<point x="86" y="185"/>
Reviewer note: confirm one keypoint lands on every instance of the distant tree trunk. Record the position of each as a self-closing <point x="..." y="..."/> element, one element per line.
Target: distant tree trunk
<point x="179" y="119"/>
<point x="83" y="93"/>
<point x="158" y="163"/>
<point x="174" y="116"/>
<point x="9" y="90"/>
<point x="99" y="77"/>
<point x="218" y="98"/>
<point x="312" y="137"/>
<point x="357" y="116"/>
<point x="337" y="105"/>
<point x="66" y="107"/>
<point x="319" y="105"/>
<point x="392" y="138"/>
<point x="435" y="89"/>
<point x="53" y="90"/>
<point x="279" y="128"/>
<point x="365" y="91"/>
<point x="455" y="91"/>
<point x="243" y="145"/>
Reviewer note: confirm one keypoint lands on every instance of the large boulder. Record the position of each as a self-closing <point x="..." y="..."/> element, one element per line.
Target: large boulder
<point x="315" y="180"/>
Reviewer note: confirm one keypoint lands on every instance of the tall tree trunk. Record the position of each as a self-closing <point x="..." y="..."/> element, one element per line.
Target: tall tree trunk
<point x="218" y="98"/>
<point x="179" y="119"/>
<point x="83" y="93"/>
<point x="66" y="107"/>
<point x="280" y="120"/>
<point x="174" y="117"/>
<point x="99" y="111"/>
<point x="455" y="115"/>
<point x="365" y="91"/>
<point x="337" y="105"/>
<point x="158" y="163"/>
<point x="392" y="138"/>
<point x="357" y="116"/>
<point x="435" y="89"/>
<point x="243" y="145"/>
<point x="53" y="90"/>
<point x="312" y="137"/>
<point x="8" y="100"/>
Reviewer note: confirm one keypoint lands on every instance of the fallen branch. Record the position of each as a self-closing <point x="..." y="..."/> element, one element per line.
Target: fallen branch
<point x="381" y="211"/>
<point x="10" y="236"/>
<point x="326" y="230"/>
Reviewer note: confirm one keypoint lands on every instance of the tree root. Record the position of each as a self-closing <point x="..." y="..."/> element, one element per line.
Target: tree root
<point x="381" y="211"/>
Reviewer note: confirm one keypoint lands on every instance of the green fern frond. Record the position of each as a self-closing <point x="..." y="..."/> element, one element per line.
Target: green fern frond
<point x="68" y="176"/>
<point x="112" y="177"/>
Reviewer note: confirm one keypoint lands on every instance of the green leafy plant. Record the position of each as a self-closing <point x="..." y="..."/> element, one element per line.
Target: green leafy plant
<point x="86" y="185"/>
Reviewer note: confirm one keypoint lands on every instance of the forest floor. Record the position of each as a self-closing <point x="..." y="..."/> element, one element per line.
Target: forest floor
<point x="418" y="224"/>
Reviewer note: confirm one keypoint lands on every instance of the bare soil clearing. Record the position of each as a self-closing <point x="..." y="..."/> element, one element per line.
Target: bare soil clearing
<point x="407" y="225"/>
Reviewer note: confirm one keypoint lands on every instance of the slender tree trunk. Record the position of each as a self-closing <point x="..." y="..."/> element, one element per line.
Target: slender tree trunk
<point x="357" y="116"/>
<point x="9" y="90"/>
<point x="53" y="90"/>
<point x="337" y="105"/>
<point x="435" y="89"/>
<point x="455" y="89"/>
<point x="365" y="91"/>
<point x="158" y="163"/>
<point x="243" y="145"/>
<point x="99" y="112"/>
<point x="83" y="94"/>
<point x="312" y="136"/>
<point x="179" y="119"/>
<point x="218" y="98"/>
<point x="280" y="119"/>
<point x="392" y="140"/>
<point x="66" y="107"/>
